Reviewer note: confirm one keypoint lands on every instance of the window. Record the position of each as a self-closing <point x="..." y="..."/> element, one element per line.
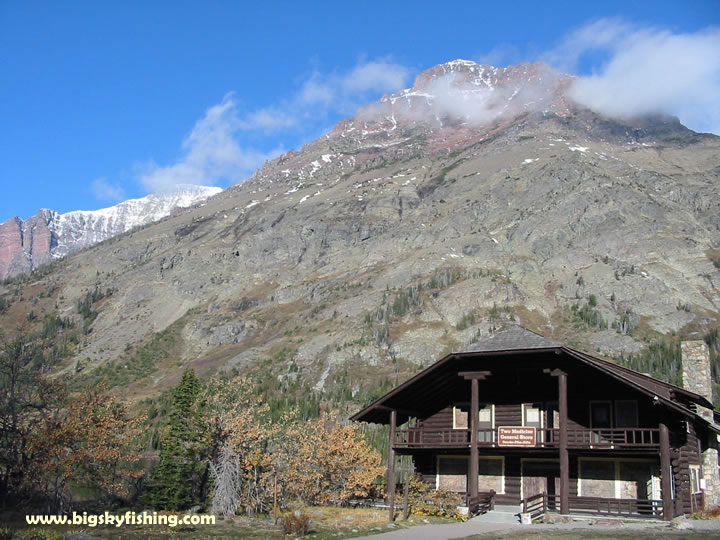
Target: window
<point x="531" y="415"/>
<point x="695" y="478"/>
<point x="486" y="417"/>
<point x="552" y="414"/>
<point x="600" y="414"/>
<point x="626" y="413"/>
<point x="460" y="419"/>
<point x="491" y="474"/>
<point x="452" y="473"/>
<point x="486" y="422"/>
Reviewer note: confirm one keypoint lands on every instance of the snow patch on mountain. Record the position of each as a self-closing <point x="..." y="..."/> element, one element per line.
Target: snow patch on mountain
<point x="83" y="228"/>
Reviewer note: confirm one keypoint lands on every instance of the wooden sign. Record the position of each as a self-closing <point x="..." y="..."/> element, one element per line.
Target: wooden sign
<point x="516" y="436"/>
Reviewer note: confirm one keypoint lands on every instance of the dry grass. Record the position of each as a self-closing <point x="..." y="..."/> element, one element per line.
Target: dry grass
<point x="712" y="513"/>
<point x="325" y="523"/>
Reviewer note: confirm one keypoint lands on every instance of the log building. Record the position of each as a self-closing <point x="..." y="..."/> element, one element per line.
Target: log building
<point x="526" y="421"/>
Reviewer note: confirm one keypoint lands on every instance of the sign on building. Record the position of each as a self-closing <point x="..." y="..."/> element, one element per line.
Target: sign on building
<point x="517" y="436"/>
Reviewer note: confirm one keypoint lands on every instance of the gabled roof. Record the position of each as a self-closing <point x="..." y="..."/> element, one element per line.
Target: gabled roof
<point x="521" y="341"/>
<point x="515" y="338"/>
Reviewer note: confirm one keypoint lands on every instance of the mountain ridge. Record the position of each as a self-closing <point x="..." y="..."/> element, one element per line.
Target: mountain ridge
<point x="49" y="235"/>
<point x="373" y="251"/>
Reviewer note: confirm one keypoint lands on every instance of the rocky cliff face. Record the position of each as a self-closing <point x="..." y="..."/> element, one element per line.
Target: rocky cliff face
<point x="480" y="196"/>
<point x="27" y="244"/>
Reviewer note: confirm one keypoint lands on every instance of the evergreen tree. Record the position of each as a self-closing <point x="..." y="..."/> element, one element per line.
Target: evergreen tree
<point x="180" y="479"/>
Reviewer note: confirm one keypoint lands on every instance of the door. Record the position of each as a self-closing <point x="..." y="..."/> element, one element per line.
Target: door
<point x="540" y="476"/>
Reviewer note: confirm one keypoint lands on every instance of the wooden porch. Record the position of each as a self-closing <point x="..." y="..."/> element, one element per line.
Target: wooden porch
<point x="542" y="503"/>
<point x="561" y="439"/>
<point x="617" y="438"/>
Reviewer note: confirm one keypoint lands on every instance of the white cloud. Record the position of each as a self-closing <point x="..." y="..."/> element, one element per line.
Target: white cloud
<point x="315" y="91"/>
<point x="444" y="99"/>
<point x="211" y="154"/>
<point x="268" y="119"/>
<point x="647" y="70"/>
<point x="500" y="55"/>
<point x="105" y="191"/>
<point x="323" y="94"/>
<point x="374" y="77"/>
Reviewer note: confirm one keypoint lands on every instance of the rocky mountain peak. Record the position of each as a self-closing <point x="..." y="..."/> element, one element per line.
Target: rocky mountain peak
<point x="472" y="200"/>
<point x="27" y="244"/>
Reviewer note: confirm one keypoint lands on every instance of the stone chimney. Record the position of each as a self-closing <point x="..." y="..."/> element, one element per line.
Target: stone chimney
<point x="696" y="370"/>
<point x="697" y="378"/>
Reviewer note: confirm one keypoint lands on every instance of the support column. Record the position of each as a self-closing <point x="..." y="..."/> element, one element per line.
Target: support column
<point x="665" y="472"/>
<point x="564" y="459"/>
<point x="474" y="377"/>
<point x="563" y="420"/>
<point x="391" y="465"/>
<point x="474" y="417"/>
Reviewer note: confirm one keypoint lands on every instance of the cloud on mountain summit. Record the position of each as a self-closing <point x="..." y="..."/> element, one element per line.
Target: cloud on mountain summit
<point x="321" y="94"/>
<point x="638" y="70"/>
<point x="212" y="153"/>
<point x="645" y="70"/>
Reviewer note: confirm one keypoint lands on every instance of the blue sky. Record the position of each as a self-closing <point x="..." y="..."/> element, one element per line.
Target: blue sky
<point x="102" y="101"/>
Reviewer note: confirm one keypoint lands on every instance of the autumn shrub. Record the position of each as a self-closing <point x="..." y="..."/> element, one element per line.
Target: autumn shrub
<point x="426" y="501"/>
<point x="90" y="445"/>
<point x="295" y="524"/>
<point x="245" y="467"/>
<point x="329" y="465"/>
<point x="710" y="513"/>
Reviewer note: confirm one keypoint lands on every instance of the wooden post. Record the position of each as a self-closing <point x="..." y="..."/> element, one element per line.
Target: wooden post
<point x="564" y="460"/>
<point x="474" y="417"/>
<point x="275" y="498"/>
<point x="474" y="377"/>
<point x="406" y="495"/>
<point x="391" y="465"/>
<point x="563" y="420"/>
<point x="665" y="472"/>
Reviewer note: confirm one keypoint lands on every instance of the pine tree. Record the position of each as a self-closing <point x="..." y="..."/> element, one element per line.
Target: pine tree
<point x="180" y="478"/>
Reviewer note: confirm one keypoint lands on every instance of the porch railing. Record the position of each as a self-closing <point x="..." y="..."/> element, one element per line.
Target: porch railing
<point x="484" y="502"/>
<point x="536" y="506"/>
<point x="615" y="438"/>
<point x="420" y="437"/>
<point x="539" y="504"/>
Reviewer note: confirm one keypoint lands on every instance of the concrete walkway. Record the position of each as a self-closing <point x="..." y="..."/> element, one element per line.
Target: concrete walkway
<point x="703" y="529"/>
<point x="444" y="532"/>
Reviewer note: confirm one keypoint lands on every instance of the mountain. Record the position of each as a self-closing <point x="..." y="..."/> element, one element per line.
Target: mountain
<point x="27" y="244"/>
<point x="480" y="197"/>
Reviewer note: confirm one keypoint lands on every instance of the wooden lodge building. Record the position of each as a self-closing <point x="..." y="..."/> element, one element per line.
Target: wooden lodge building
<point x="526" y="421"/>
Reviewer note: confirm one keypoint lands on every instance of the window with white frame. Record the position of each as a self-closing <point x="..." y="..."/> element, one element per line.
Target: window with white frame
<point x="532" y="415"/>
<point x="695" y="478"/>
<point x="452" y="473"/>
<point x="486" y="417"/>
<point x="460" y="418"/>
<point x="491" y="473"/>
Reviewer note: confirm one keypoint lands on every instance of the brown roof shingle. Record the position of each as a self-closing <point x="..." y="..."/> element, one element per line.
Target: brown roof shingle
<point x="515" y="338"/>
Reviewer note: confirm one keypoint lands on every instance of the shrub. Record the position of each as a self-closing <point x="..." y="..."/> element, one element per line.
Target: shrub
<point x="295" y="524"/>
<point x="426" y="501"/>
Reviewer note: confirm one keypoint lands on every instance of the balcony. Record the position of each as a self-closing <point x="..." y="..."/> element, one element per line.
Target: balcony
<point x="545" y="438"/>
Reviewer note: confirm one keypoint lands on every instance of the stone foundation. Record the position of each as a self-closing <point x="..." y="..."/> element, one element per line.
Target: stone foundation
<point x="712" y="477"/>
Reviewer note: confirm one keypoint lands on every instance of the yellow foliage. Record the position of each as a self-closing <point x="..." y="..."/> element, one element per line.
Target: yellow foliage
<point x="329" y="464"/>
<point x="312" y="461"/>
<point x="90" y="443"/>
